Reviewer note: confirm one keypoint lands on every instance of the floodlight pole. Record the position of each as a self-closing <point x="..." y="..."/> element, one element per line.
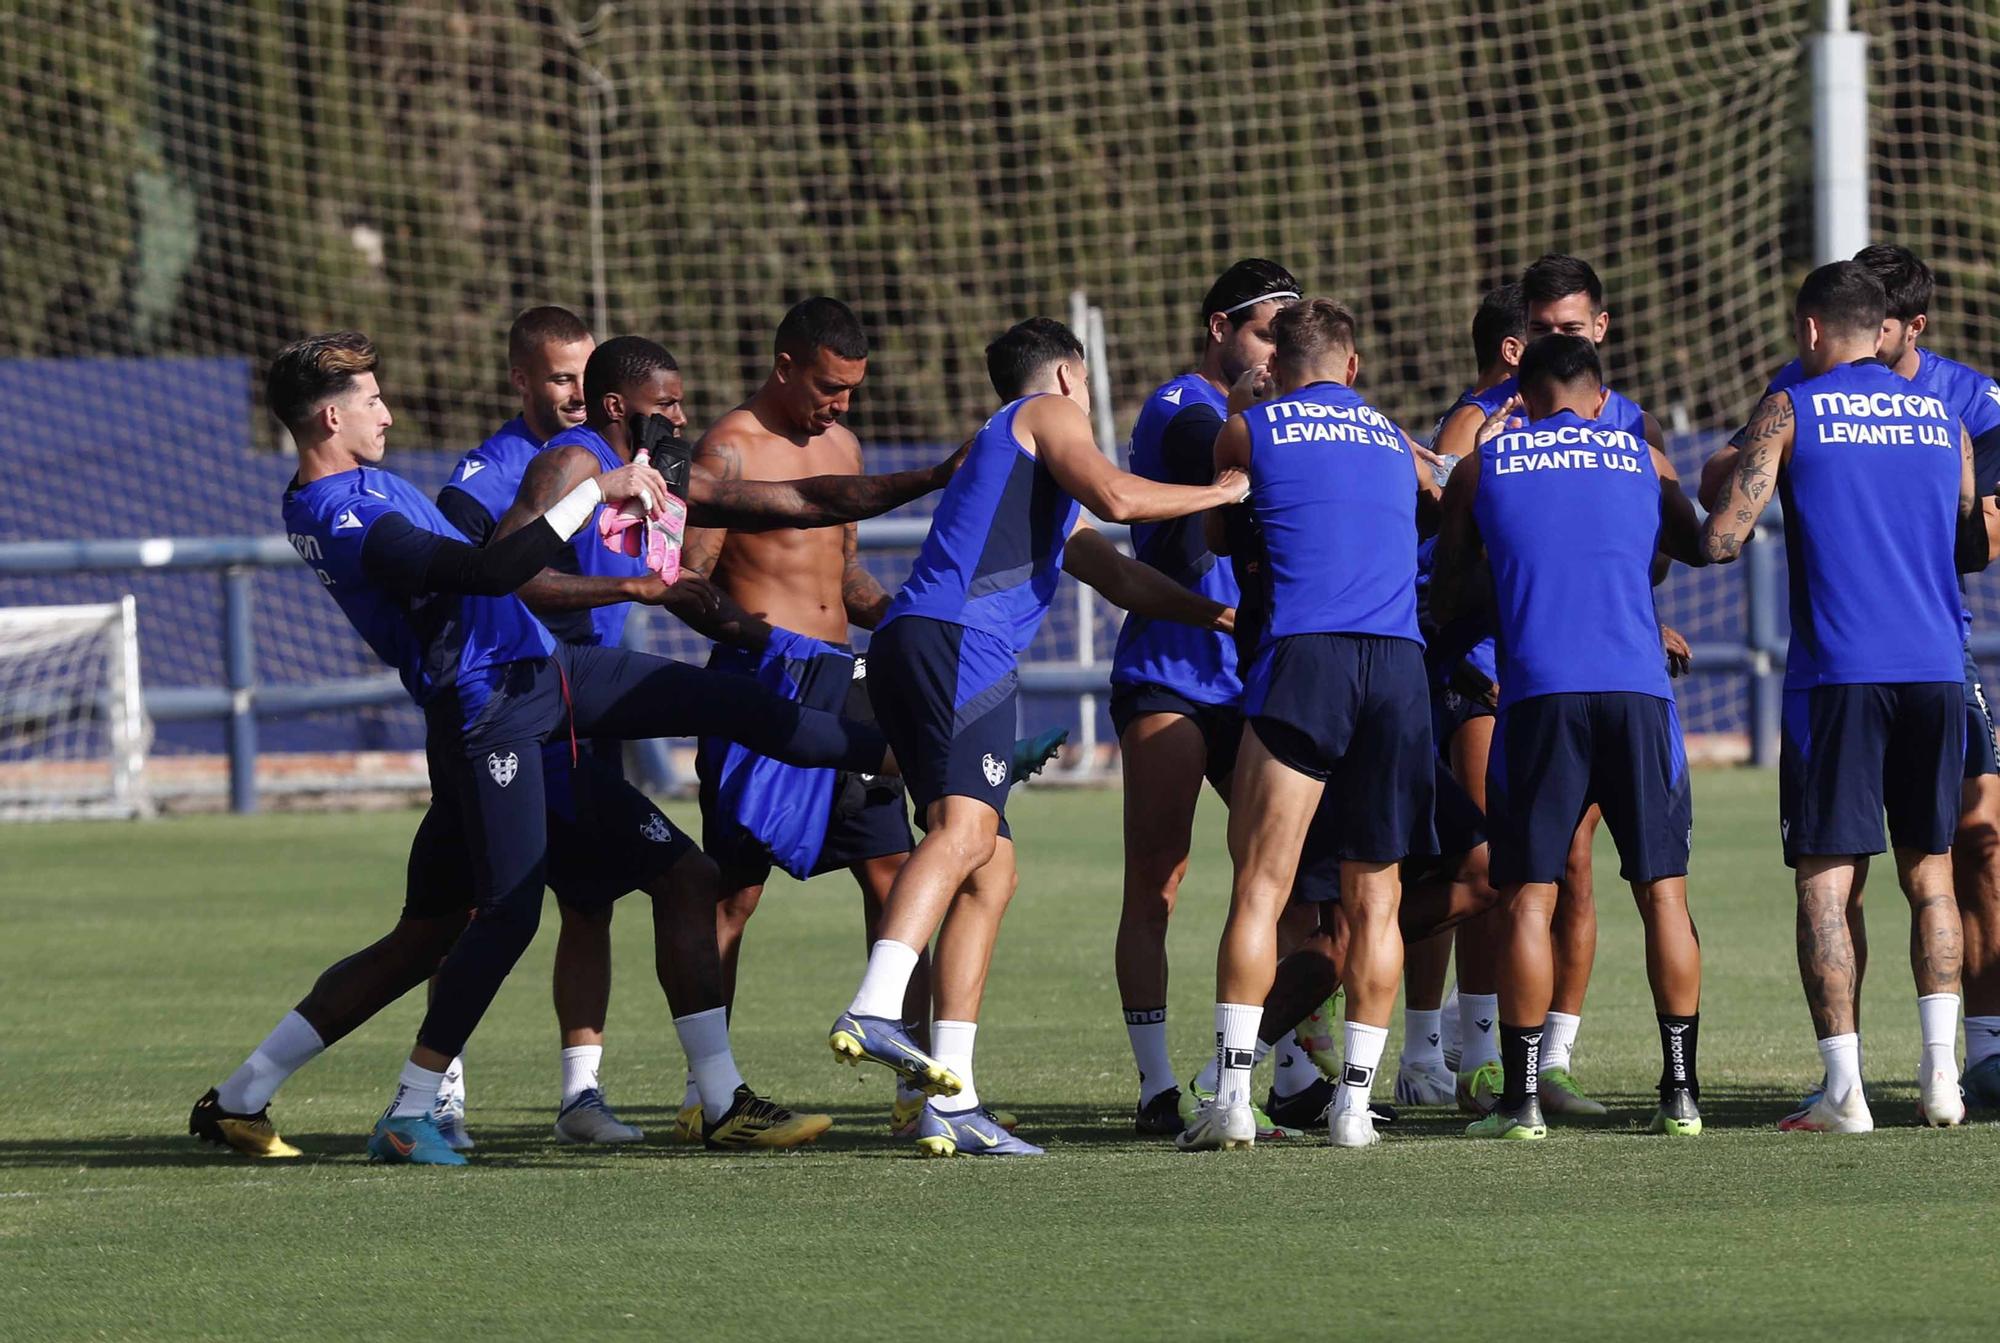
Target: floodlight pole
<point x="1840" y="137"/>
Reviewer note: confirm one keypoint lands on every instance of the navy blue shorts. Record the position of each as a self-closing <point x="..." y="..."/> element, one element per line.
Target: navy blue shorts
<point x="862" y="816"/>
<point x="606" y="838"/>
<point x="1451" y="711"/>
<point x="1851" y="753"/>
<point x="1460" y="825"/>
<point x="1980" y="754"/>
<point x="1221" y="725"/>
<point x="1554" y="755"/>
<point x="1353" y="711"/>
<point x="945" y="697"/>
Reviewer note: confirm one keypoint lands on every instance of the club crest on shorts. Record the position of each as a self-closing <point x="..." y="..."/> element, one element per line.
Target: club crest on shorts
<point x="655" y="829"/>
<point x="503" y="768"/>
<point x="996" y="773"/>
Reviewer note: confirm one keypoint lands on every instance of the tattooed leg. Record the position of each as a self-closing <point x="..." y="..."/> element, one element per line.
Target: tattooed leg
<point x="1826" y="952"/>
<point x="1936" y="940"/>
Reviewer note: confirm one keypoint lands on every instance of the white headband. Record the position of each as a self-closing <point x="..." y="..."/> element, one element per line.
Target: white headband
<point x="1261" y="298"/>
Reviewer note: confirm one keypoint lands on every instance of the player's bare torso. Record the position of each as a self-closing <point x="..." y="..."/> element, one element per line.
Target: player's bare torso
<point x="791" y="577"/>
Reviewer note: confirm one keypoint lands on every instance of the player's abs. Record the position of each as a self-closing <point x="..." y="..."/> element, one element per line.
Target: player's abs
<point x="789" y="578"/>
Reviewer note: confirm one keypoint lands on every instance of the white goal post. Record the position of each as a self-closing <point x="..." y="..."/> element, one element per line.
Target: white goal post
<point x="73" y="726"/>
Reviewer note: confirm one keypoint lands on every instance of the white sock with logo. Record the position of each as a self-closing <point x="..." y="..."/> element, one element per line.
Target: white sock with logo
<point x="1982" y="1039"/>
<point x="1360" y="1057"/>
<point x="1236" y="1053"/>
<point x="452" y="1090"/>
<point x="1209" y="1078"/>
<point x="1842" y="1056"/>
<point x="1146" y="1028"/>
<point x="416" y="1092"/>
<point x="951" y="1045"/>
<point x="290" y="1046"/>
<point x="1423" y="1038"/>
<point x="705" y="1039"/>
<point x="1477" y="1042"/>
<point x="1558" y="1040"/>
<point x="1293" y="1069"/>
<point x="579" y="1070"/>
<point x="885" y="981"/>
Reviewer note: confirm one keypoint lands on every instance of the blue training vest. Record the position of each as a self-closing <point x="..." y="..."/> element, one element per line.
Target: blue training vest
<point x="1569" y="510"/>
<point x="1871" y="520"/>
<point x="994" y="554"/>
<point x="436" y="641"/>
<point x="1334" y="491"/>
<point x="607" y="623"/>
<point x="1196" y="663"/>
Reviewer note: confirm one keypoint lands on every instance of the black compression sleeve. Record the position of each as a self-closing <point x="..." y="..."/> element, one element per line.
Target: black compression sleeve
<point x="467" y="514"/>
<point x="1986" y="463"/>
<point x="1187" y="446"/>
<point x="408" y="560"/>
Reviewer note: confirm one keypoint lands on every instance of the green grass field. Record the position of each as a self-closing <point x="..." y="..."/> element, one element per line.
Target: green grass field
<point x="141" y="962"/>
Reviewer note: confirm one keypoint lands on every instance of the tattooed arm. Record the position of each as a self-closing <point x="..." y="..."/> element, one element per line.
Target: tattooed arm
<point x="549" y="477"/>
<point x="865" y="599"/>
<point x="1747" y="490"/>
<point x="718" y="496"/>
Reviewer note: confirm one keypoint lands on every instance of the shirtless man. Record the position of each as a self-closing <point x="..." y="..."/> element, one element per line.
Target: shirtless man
<point x="809" y="585"/>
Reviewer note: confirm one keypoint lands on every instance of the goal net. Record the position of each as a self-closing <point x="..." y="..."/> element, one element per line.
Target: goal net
<point x="73" y="730"/>
<point x="234" y="173"/>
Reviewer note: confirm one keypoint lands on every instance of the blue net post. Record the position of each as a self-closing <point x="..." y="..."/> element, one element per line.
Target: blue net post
<point x="240" y="667"/>
<point x="1761" y="597"/>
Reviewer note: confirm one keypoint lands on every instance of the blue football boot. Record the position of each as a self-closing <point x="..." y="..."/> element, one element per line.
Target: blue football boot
<point x="881" y="1040"/>
<point x="413" y="1140"/>
<point x="1032" y="753"/>
<point x="973" y="1132"/>
<point x="1982" y="1084"/>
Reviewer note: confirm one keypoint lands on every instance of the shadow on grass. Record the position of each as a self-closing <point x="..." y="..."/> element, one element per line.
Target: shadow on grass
<point x="523" y="1139"/>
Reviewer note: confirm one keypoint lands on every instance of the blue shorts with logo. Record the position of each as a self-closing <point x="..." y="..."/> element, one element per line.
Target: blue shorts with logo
<point x="605" y="838"/>
<point x="1354" y="711"/>
<point x="757" y="812"/>
<point x="1852" y="753"/>
<point x="1460" y="826"/>
<point x="1554" y="755"/>
<point x="945" y="696"/>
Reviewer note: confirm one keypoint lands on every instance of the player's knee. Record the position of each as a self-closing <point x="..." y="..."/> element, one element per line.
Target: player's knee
<point x="965" y="843"/>
<point x="584" y="922"/>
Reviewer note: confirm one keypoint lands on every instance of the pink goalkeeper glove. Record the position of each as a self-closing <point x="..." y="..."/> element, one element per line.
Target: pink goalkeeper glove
<point x="653" y="538"/>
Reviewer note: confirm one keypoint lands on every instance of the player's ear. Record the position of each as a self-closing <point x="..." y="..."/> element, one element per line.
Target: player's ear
<point x="1602" y="328"/>
<point x="1353" y="366"/>
<point x="1511" y="349"/>
<point x="1603" y="395"/>
<point x="518" y="380"/>
<point x="615" y="407"/>
<point x="1218" y="328"/>
<point x="1918" y="325"/>
<point x="781" y="368"/>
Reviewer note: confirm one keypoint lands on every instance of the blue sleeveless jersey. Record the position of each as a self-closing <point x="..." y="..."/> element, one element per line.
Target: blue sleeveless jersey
<point x="605" y="624"/>
<point x="1569" y="510"/>
<point x="1467" y="631"/>
<point x="1198" y="664"/>
<point x="994" y="554"/>
<point x="491" y="473"/>
<point x="436" y="641"/>
<point x="1871" y="517"/>
<point x="1333" y="489"/>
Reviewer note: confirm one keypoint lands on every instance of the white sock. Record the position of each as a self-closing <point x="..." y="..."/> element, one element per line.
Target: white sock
<point x="1937" y="1016"/>
<point x="416" y="1092"/>
<point x="690" y="1094"/>
<point x="1294" y="1070"/>
<point x="1235" y="1050"/>
<point x="453" y="1087"/>
<point x="290" y="1046"/>
<point x="951" y="1045"/>
<point x="1210" y="1075"/>
<point x="579" y="1070"/>
<point x="1982" y="1039"/>
<point x="1146" y="1028"/>
<point x="1423" y="1038"/>
<point x="705" y="1039"/>
<point x="885" y="981"/>
<point x="1558" y="1039"/>
<point x="1360" y="1056"/>
<point x="1842" y="1056"/>
<point x="1477" y="1043"/>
